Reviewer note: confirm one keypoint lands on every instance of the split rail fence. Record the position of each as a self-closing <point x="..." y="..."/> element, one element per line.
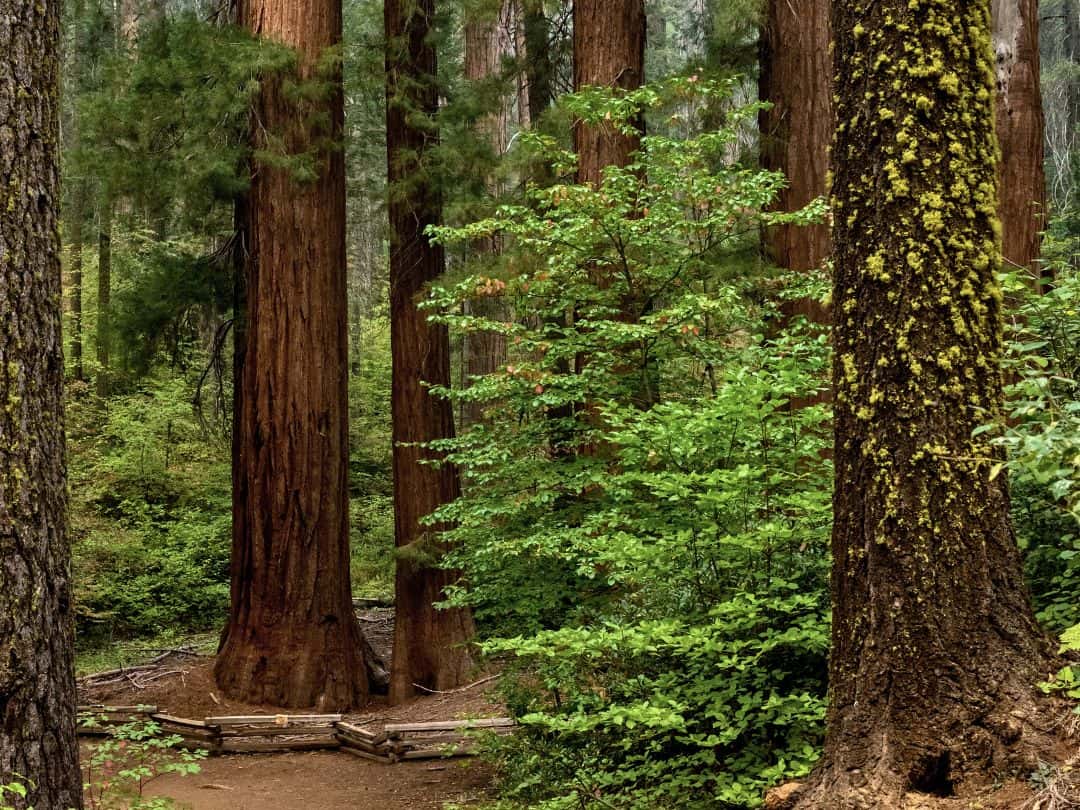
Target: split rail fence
<point x="301" y="732"/>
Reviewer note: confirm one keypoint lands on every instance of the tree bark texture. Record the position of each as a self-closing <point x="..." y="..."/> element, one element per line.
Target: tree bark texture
<point x="935" y="649"/>
<point x="293" y="639"/>
<point x="104" y="306"/>
<point x="37" y="667"/>
<point x="1020" y="131"/>
<point x="487" y="44"/>
<point x="78" y="214"/>
<point x="609" y="51"/>
<point x="797" y="131"/>
<point x="539" y="70"/>
<point x="429" y="645"/>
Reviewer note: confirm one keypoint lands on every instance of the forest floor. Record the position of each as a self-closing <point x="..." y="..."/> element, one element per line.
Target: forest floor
<point x="183" y="686"/>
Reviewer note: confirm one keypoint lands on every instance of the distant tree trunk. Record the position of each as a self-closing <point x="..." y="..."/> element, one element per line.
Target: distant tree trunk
<point x="609" y="51"/>
<point x="486" y="45"/>
<point x="429" y="645"/>
<point x="935" y="649"/>
<point x="1020" y="131"/>
<point x="539" y="70"/>
<point x="78" y="214"/>
<point x="104" y="319"/>
<point x="797" y="130"/>
<point x="293" y="639"/>
<point x="37" y="663"/>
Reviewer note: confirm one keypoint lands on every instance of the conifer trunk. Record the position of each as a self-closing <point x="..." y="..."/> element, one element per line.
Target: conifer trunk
<point x="486" y="46"/>
<point x="429" y="645"/>
<point x="539" y="71"/>
<point x="37" y="668"/>
<point x="293" y="639"/>
<point x="797" y="130"/>
<point x="78" y="214"/>
<point x="609" y="51"/>
<point x="104" y="290"/>
<point x="935" y="649"/>
<point x="1020" y="131"/>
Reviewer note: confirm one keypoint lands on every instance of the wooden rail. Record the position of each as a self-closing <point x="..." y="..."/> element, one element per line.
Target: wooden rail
<point x="301" y="732"/>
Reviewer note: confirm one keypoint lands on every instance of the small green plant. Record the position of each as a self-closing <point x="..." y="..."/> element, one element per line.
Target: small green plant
<point x="14" y="788"/>
<point x="123" y="764"/>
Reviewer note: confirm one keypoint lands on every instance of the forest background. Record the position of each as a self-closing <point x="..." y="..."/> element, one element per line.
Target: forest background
<point x="678" y="605"/>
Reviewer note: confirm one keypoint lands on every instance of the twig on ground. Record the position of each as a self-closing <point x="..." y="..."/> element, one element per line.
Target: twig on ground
<point x="480" y="682"/>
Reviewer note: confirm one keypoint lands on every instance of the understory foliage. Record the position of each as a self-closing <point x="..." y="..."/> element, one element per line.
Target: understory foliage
<point x="1042" y="436"/>
<point x="645" y="518"/>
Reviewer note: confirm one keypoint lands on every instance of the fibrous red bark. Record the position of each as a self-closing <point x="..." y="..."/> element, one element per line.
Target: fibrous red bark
<point x="797" y="130"/>
<point x="1020" y="130"/>
<point x="609" y="51"/>
<point x="430" y="646"/>
<point x="293" y="639"/>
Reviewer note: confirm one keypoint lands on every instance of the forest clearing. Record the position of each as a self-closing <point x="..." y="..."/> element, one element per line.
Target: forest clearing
<point x="548" y="404"/>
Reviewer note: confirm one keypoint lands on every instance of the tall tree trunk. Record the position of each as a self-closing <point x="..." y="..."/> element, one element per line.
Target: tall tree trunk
<point x="78" y="214"/>
<point x="935" y="649"/>
<point x="293" y="639"/>
<point x="797" y="130"/>
<point x="429" y="645"/>
<point x="609" y="51"/>
<point x="1020" y="130"/>
<point x="486" y="45"/>
<point x="104" y="319"/>
<point x="37" y="663"/>
<point x="539" y="70"/>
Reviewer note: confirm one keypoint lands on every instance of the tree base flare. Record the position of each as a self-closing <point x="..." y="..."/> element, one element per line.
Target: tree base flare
<point x="1015" y="742"/>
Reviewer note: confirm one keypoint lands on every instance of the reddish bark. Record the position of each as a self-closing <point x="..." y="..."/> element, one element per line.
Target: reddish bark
<point x="430" y="646"/>
<point x="609" y="51"/>
<point x="292" y="638"/>
<point x="796" y="132"/>
<point x="1020" y="126"/>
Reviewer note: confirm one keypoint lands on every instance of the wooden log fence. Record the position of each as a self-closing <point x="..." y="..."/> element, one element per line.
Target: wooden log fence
<point x="278" y="733"/>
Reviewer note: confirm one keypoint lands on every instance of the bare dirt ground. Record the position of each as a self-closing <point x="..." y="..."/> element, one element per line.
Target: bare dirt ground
<point x="323" y="781"/>
<point x="183" y="685"/>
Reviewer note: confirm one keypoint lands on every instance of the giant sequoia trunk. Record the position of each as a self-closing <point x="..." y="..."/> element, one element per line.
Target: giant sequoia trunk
<point x="292" y="638"/>
<point x="935" y="651"/>
<point x="429" y="645"/>
<point x="609" y="51"/>
<point x="1020" y="128"/>
<point x="37" y="656"/>
<point x="797" y="130"/>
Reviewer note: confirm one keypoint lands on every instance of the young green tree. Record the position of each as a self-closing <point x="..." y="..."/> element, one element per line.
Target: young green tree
<point x="429" y="645"/>
<point x="935" y="649"/>
<point x="292" y="638"/>
<point x="37" y="673"/>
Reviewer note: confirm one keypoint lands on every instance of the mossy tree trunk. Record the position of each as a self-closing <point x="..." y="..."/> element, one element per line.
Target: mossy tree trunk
<point x="293" y="639"/>
<point x="37" y="668"/>
<point x="935" y="650"/>
<point x="429" y="645"/>
<point x="1020" y="130"/>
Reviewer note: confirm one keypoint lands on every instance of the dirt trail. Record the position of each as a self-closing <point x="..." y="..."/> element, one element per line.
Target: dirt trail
<point x="323" y="781"/>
